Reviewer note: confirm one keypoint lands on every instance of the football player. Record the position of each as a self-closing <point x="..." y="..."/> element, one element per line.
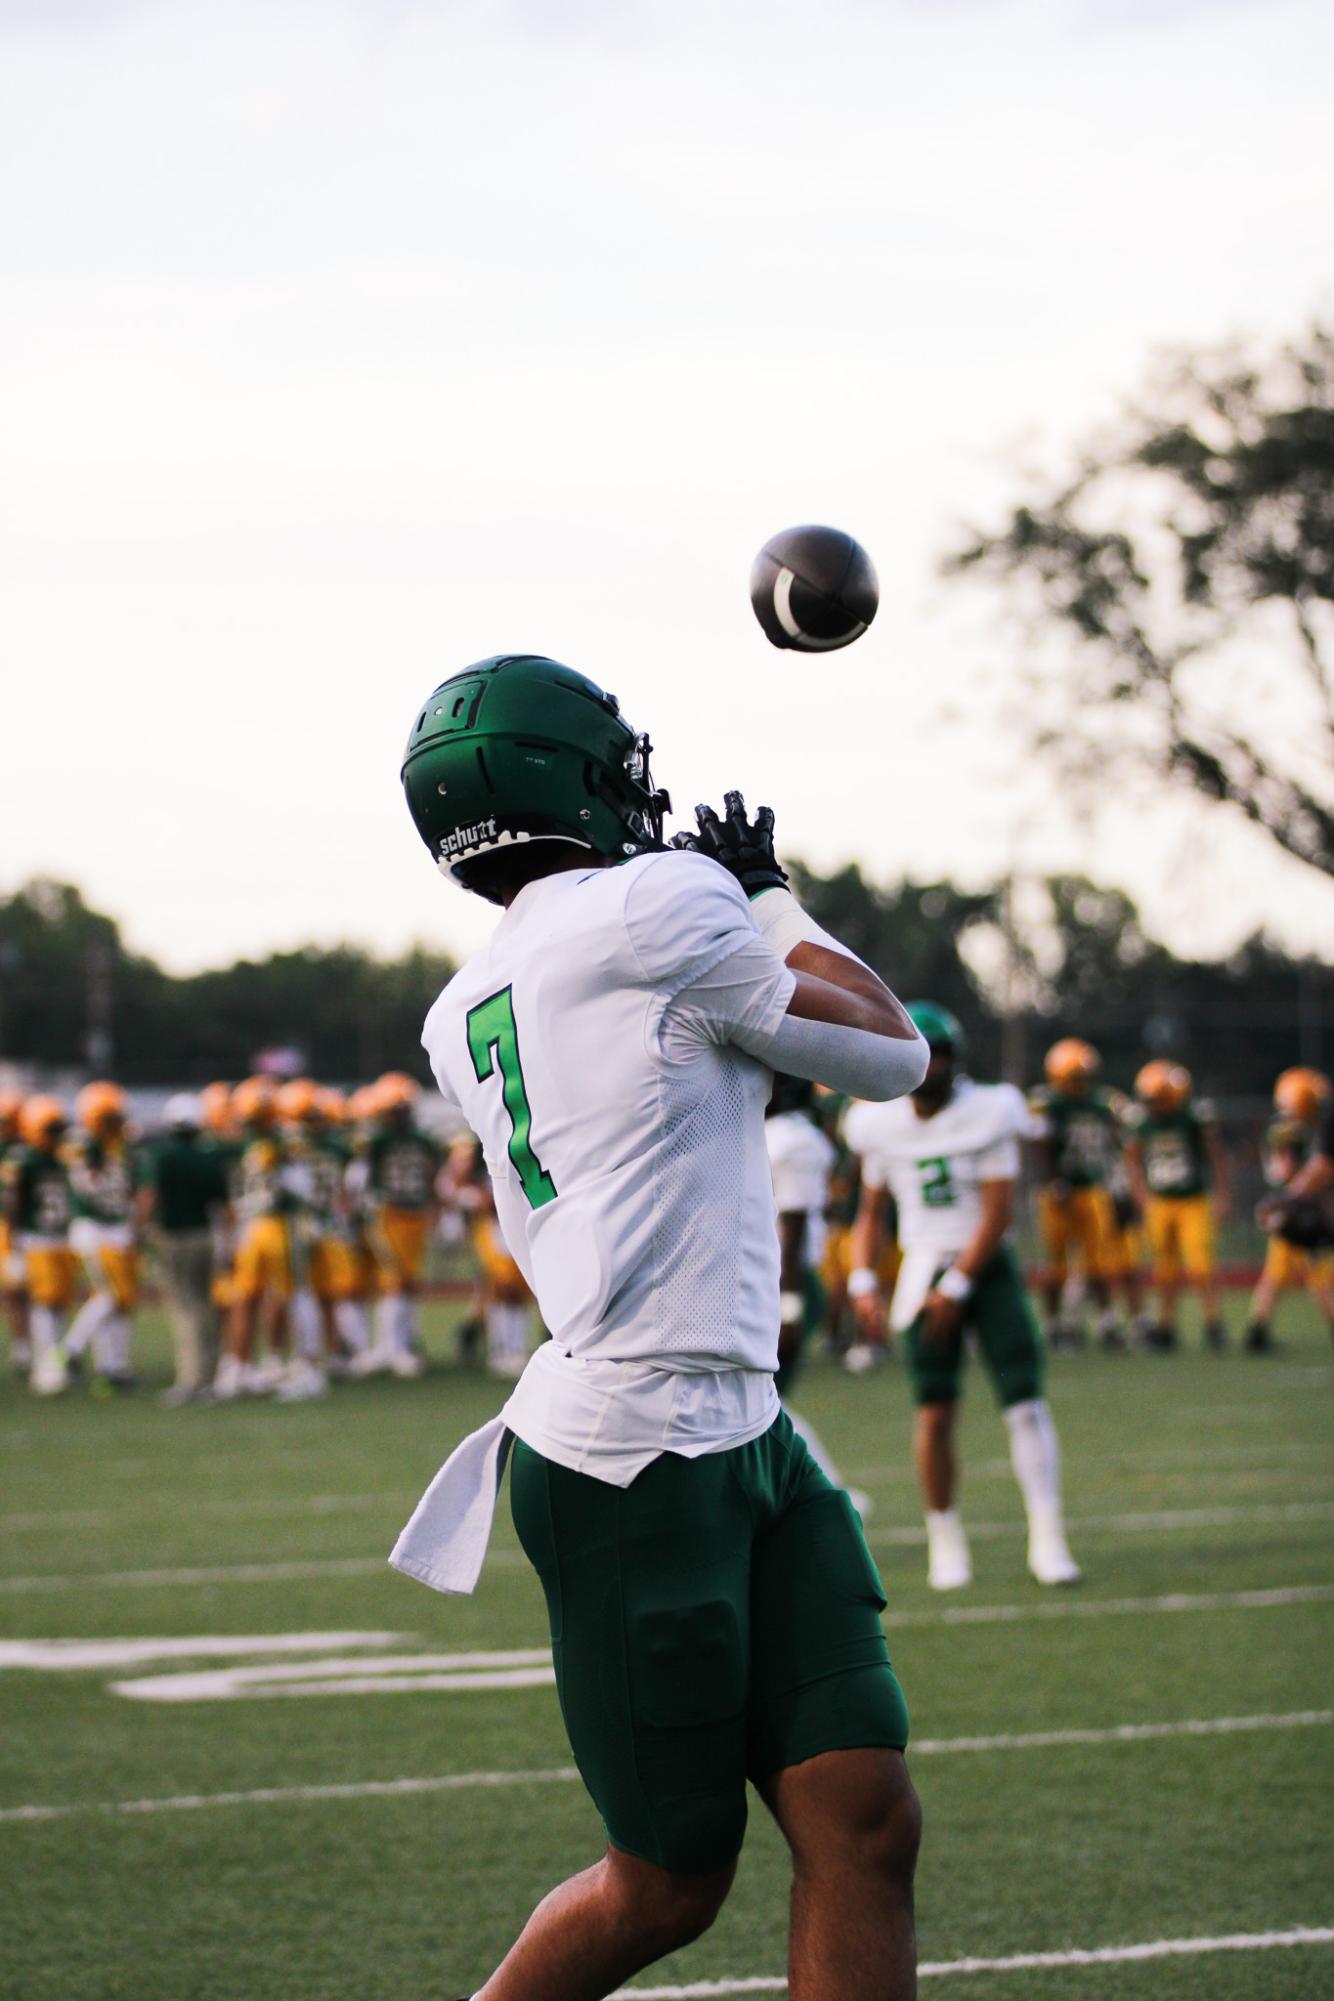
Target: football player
<point x="1179" y="1171"/>
<point x="715" y="1611"/>
<point x="262" y="1276"/>
<point x="104" y="1176"/>
<point x="503" y="1299"/>
<point x="39" y="1207"/>
<point x="1299" y="1097"/>
<point x="949" y="1154"/>
<point x="801" y="1160"/>
<point x="313" y="1169"/>
<point x="399" y="1164"/>
<point x="12" y="1285"/>
<point x="1074" y="1125"/>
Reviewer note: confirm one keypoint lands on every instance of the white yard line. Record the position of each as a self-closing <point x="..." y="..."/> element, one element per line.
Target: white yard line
<point x="1137" y="1523"/>
<point x="1123" y="1733"/>
<point x="1145" y="1522"/>
<point x="1019" y="1962"/>
<point x="1106" y="1608"/>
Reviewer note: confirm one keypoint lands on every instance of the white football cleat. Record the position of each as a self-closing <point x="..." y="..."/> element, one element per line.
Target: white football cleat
<point x="301" y="1381"/>
<point x="261" y="1377"/>
<point x="861" y="1357"/>
<point x="1049" y="1559"/>
<point x="369" y="1362"/>
<point x="49" y="1374"/>
<point x="229" y="1381"/>
<point x="949" y="1565"/>
<point x="406" y="1362"/>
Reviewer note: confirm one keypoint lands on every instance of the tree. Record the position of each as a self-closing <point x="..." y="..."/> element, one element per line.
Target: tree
<point x="1190" y="560"/>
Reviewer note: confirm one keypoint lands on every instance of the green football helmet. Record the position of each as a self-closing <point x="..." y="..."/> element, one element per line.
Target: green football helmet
<point x="937" y="1026"/>
<point x="519" y="748"/>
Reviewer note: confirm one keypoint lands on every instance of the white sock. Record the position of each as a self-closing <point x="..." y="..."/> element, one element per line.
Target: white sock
<point x="353" y="1324"/>
<point x="943" y="1522"/>
<point x="44" y="1324"/>
<point x="810" y="1438"/>
<point x="384" y="1324"/>
<point x="404" y="1324"/>
<point x="88" y="1321"/>
<point x="111" y="1345"/>
<point x="307" y="1327"/>
<point x="1035" y="1454"/>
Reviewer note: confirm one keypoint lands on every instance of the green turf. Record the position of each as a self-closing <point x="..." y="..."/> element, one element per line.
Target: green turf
<point x="1027" y="1850"/>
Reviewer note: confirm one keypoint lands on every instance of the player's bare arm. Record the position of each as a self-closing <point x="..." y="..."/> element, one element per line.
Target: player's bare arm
<point x="868" y="1236"/>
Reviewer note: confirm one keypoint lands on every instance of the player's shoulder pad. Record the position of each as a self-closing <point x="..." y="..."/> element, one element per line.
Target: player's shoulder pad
<point x="683" y="913"/>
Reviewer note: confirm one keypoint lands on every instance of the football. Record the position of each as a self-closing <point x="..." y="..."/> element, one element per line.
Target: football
<point x="813" y="589"/>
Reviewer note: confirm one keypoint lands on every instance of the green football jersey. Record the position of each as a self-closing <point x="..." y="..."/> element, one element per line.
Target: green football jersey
<point x="37" y="1185"/>
<point x="402" y="1166"/>
<point x="1174" y="1150"/>
<point x="103" y="1179"/>
<point x="1083" y="1133"/>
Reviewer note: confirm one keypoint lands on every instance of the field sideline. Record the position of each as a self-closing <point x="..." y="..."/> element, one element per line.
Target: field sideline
<point x="207" y="1792"/>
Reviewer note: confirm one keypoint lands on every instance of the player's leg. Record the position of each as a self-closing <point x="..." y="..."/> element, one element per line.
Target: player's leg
<point x="97" y="1308"/>
<point x="1100" y="1252"/>
<point x="828" y="1726"/>
<point x="647" y="1589"/>
<point x="935" y="1369"/>
<point x="1278" y="1271"/>
<point x="1201" y="1266"/>
<point x="853" y="1824"/>
<point x="1320" y="1285"/>
<point x="1054" y="1231"/>
<point x="50" y="1276"/>
<point x="113" y="1339"/>
<point x="1165" y="1251"/>
<point x="1011" y="1347"/>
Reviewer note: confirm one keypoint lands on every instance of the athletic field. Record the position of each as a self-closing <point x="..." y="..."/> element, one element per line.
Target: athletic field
<point x="244" y="1761"/>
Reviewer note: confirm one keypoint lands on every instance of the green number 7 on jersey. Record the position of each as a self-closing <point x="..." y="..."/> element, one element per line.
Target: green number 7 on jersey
<point x="493" y="1044"/>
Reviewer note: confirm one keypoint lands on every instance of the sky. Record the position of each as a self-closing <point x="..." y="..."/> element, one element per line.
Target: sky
<point x="348" y="341"/>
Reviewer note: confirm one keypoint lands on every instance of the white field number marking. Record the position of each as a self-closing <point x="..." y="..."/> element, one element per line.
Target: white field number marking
<point x="1020" y="1962"/>
<point x="927" y="1747"/>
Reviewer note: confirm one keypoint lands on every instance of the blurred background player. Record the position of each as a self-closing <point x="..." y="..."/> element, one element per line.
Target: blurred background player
<point x="312" y="1175"/>
<point x="950" y="1155"/>
<point x="222" y="1138"/>
<point x="397" y="1169"/>
<point x="1077" y="1140"/>
<point x="39" y="1207"/>
<point x="1300" y="1096"/>
<point x="836" y="1263"/>
<point x="13" y="1288"/>
<point x="504" y="1303"/>
<point x="1179" y="1173"/>
<point x="181" y="1198"/>
<point x="801" y="1158"/>
<point x="103" y="1178"/>
<point x="262" y="1276"/>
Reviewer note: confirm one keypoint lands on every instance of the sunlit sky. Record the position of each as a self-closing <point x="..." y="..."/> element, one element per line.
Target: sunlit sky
<point x="349" y="341"/>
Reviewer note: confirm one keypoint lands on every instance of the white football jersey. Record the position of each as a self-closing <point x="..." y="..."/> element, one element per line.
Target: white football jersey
<point x="801" y="1159"/>
<point x="589" y="1051"/>
<point x="934" y="1167"/>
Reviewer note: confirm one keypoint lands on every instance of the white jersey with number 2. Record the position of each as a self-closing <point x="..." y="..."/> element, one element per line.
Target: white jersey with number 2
<point x="934" y="1169"/>
<point x="593" y="1047"/>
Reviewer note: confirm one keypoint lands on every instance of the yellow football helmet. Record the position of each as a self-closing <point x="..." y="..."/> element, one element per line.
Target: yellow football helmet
<point x="1163" y="1086"/>
<point x="1300" y="1093"/>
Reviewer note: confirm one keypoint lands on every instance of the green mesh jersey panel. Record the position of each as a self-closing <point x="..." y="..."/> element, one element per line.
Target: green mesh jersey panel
<point x="1083" y="1135"/>
<point x="1176" y="1159"/>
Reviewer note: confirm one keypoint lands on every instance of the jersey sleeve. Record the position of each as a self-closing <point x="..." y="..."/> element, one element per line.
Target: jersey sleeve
<point x="859" y="1137"/>
<point x="695" y="942"/>
<point x="1000" y="1161"/>
<point x="684" y="915"/>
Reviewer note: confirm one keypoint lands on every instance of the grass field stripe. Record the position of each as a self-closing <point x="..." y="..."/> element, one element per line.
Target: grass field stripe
<point x="352" y="1789"/>
<point x="1143" y="1522"/>
<point x="1122" y="1733"/>
<point x="1104" y="1608"/>
<point x="462" y="1781"/>
<point x="1020" y="1962"/>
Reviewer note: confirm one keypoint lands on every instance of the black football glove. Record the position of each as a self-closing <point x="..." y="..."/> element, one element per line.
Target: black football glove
<point x="745" y="848"/>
